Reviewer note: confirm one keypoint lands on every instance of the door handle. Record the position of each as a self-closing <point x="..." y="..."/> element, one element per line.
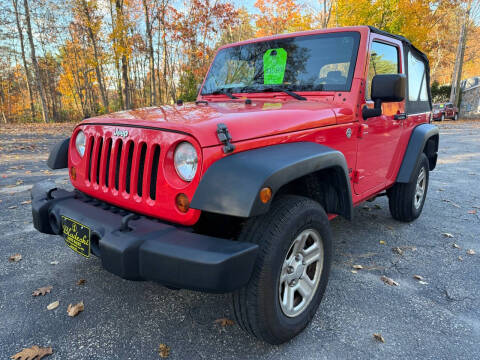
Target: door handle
<point x="401" y="116"/>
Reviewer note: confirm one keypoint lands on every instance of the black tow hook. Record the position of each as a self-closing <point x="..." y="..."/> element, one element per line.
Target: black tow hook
<point x="125" y="220"/>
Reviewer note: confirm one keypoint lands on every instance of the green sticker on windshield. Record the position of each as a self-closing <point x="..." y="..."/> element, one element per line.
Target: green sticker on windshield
<point x="274" y="62"/>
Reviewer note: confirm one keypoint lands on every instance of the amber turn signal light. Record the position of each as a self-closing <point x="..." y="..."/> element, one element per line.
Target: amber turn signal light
<point x="265" y="195"/>
<point x="73" y="173"/>
<point x="182" y="202"/>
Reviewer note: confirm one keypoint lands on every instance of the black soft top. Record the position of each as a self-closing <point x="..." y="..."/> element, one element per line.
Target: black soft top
<point x="412" y="106"/>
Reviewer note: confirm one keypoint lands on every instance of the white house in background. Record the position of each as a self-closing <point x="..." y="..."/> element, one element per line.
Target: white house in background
<point x="470" y="103"/>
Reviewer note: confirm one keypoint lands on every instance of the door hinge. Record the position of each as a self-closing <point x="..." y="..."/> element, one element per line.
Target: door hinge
<point x="224" y="137"/>
<point x="362" y="130"/>
<point x="355" y="176"/>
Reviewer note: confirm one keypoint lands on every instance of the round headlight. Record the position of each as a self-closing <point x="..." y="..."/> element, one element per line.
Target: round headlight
<point x="80" y="141"/>
<point x="186" y="161"/>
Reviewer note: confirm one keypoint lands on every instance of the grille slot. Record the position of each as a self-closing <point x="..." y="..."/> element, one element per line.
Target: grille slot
<point x="117" y="163"/>
<point x="90" y="154"/>
<point x="131" y="146"/>
<point x="99" y="160"/>
<point x="141" y="168"/>
<point x="107" y="163"/>
<point x="153" y="177"/>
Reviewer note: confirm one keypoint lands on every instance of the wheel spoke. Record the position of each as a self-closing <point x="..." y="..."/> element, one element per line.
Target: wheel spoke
<point x="305" y="287"/>
<point x="288" y="300"/>
<point x="311" y="254"/>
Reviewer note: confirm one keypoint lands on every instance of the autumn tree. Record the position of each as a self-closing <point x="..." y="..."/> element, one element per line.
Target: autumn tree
<point x="24" y="59"/>
<point x="281" y="16"/>
<point x="86" y="17"/>
<point x="38" y="79"/>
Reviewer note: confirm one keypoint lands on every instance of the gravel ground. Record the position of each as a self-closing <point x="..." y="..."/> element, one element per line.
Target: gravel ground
<point x="129" y="320"/>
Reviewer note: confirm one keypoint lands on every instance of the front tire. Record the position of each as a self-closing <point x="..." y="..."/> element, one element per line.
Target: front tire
<point x="406" y="200"/>
<point x="291" y="271"/>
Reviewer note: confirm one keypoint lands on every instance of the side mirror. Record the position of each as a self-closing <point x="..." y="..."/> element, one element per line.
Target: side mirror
<point x="385" y="88"/>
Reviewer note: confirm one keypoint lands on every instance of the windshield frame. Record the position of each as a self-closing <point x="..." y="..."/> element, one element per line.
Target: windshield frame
<point x="357" y="38"/>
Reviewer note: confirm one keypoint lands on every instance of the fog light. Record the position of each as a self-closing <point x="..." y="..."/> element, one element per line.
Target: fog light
<point x="183" y="204"/>
<point x="73" y="173"/>
<point x="265" y="195"/>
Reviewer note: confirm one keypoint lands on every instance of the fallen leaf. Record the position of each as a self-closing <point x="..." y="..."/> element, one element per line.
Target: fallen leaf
<point x="53" y="305"/>
<point x="423" y="282"/>
<point x="33" y="352"/>
<point x="224" y="322"/>
<point x="471" y="252"/>
<point x="354" y="271"/>
<point x="12" y="207"/>
<point x="163" y="350"/>
<point x="460" y="258"/>
<point x="456" y="246"/>
<point x="447" y="235"/>
<point x="26" y="202"/>
<point x="73" y="310"/>
<point x="390" y="227"/>
<point x="81" y="282"/>
<point x="383" y="242"/>
<point x="15" y="258"/>
<point x="378" y="337"/>
<point x="55" y="262"/>
<point x="19" y="182"/>
<point x="441" y="189"/>
<point x="473" y="212"/>
<point x="388" y="281"/>
<point x="397" y="250"/>
<point x="358" y="267"/>
<point x="377" y="206"/>
<point x="418" y="277"/>
<point x="42" y="291"/>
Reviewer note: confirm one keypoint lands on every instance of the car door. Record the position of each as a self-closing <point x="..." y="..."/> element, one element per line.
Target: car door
<point x="449" y="111"/>
<point x="380" y="135"/>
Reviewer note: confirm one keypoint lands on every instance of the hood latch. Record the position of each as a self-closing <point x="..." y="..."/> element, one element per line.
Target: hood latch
<point x="225" y="138"/>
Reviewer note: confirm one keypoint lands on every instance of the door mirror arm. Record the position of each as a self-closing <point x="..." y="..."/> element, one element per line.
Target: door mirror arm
<point x="372" y="112"/>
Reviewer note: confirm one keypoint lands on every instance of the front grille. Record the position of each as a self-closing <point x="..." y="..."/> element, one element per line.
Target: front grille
<point x="123" y="165"/>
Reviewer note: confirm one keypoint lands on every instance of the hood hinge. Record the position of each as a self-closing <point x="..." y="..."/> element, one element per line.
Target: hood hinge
<point x="225" y="138"/>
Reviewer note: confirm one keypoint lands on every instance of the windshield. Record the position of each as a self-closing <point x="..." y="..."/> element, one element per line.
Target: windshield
<point x="323" y="62"/>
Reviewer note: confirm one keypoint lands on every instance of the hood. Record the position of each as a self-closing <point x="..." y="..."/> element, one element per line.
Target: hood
<point x="244" y="121"/>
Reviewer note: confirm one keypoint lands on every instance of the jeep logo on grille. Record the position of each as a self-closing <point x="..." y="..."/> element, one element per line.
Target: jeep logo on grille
<point x="121" y="133"/>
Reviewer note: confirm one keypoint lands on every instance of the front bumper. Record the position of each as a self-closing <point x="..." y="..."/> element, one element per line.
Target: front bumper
<point x="139" y="248"/>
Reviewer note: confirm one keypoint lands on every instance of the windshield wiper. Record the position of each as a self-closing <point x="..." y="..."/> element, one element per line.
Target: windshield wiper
<point x="273" y="89"/>
<point x="222" y="92"/>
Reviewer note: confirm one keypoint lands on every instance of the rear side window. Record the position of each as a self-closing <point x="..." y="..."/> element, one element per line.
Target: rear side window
<point x="417" y="79"/>
<point x="383" y="60"/>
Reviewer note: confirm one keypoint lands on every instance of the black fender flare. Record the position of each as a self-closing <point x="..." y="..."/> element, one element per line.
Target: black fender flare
<point x="231" y="185"/>
<point x="58" y="158"/>
<point x="416" y="145"/>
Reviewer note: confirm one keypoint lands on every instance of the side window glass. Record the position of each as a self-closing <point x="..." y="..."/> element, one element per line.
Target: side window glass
<point x="383" y="60"/>
<point x="417" y="80"/>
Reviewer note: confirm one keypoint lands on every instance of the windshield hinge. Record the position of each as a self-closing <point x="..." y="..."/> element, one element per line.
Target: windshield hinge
<point x="225" y="138"/>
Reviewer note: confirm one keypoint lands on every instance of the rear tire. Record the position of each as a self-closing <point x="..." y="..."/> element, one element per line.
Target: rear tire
<point x="295" y="243"/>
<point x="406" y="200"/>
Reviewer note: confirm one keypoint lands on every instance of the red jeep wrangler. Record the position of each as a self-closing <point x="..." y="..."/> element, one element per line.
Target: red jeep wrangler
<point x="234" y="193"/>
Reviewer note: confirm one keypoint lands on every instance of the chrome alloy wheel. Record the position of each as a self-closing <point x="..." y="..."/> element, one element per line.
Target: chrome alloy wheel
<point x="301" y="272"/>
<point x="420" y="188"/>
